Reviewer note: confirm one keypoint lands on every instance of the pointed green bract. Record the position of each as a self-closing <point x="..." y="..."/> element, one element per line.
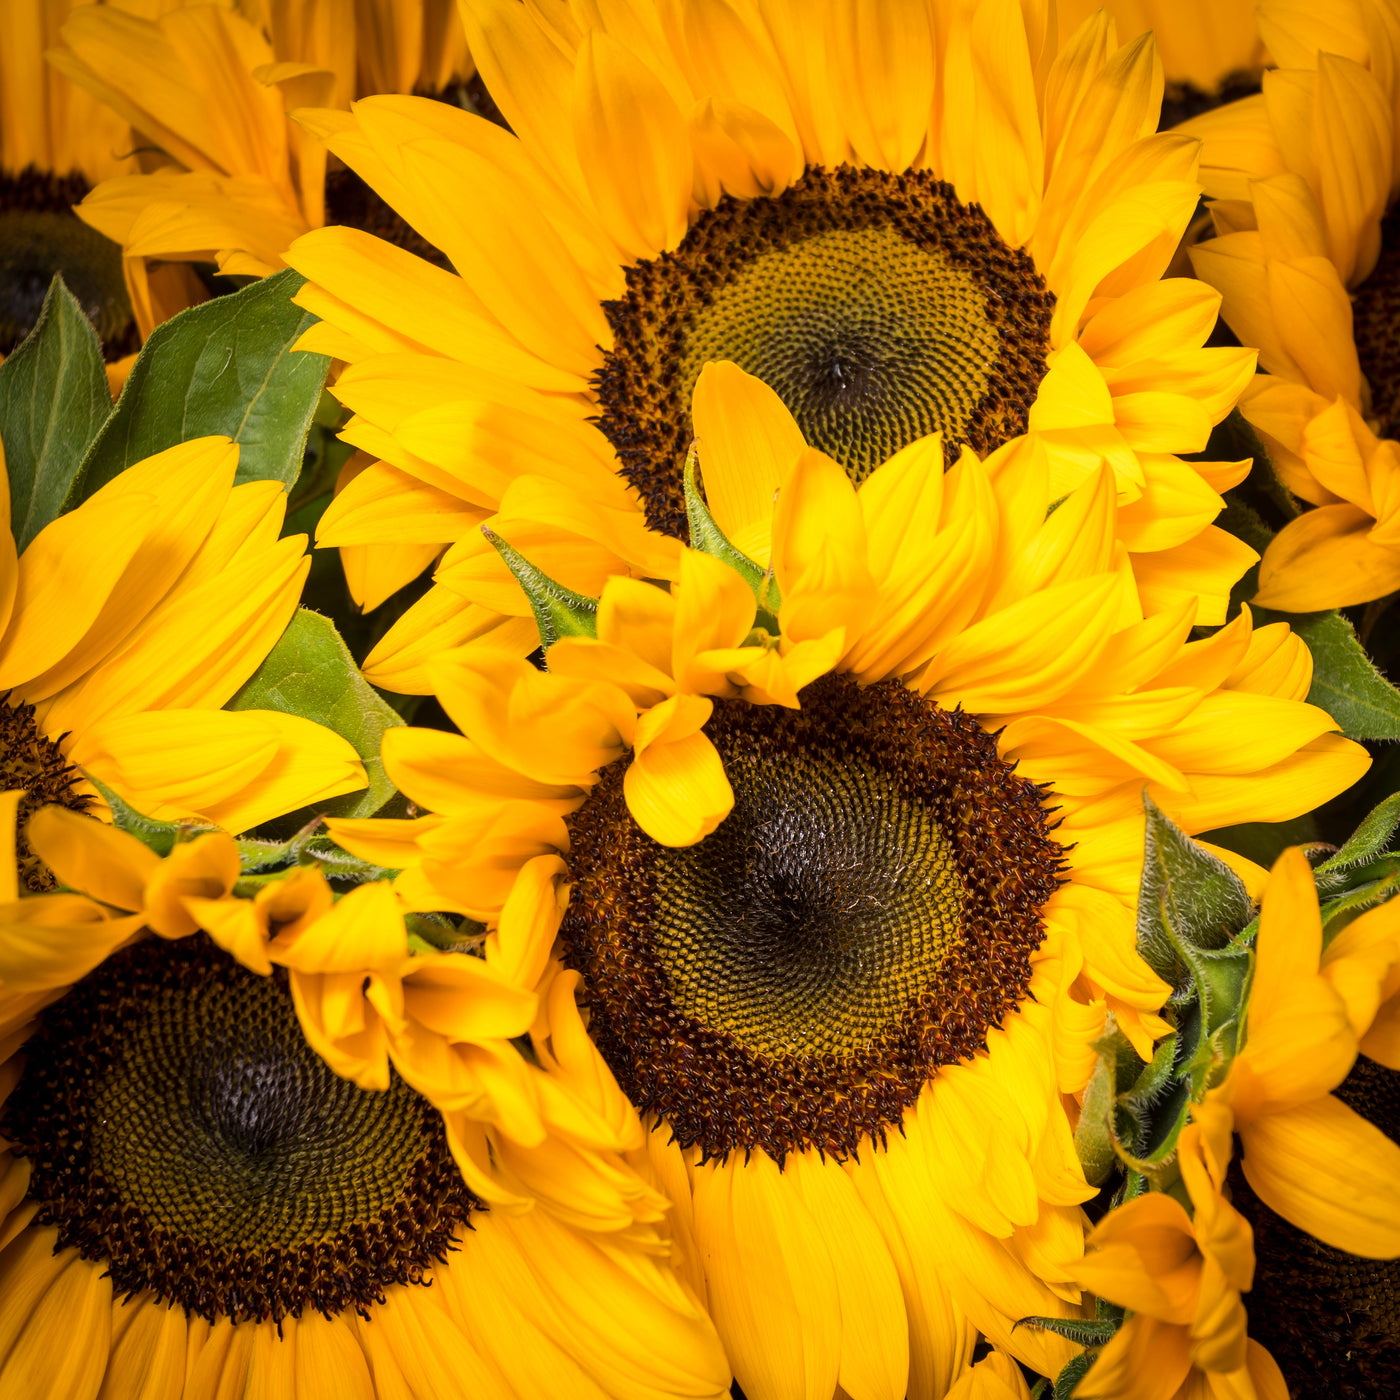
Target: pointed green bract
<point x="53" y="403"/>
<point x="559" y="611"/>
<point x="311" y="673"/>
<point x="707" y="538"/>
<point x="161" y="836"/>
<point x="1187" y="896"/>
<point x="225" y="367"/>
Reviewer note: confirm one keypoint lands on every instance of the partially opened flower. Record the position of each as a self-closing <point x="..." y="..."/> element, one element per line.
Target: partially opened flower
<point x="238" y="188"/>
<point x="1305" y="178"/>
<point x="197" y="1203"/>
<point x="904" y="218"/>
<point x="1181" y="1274"/>
<point x="56" y="142"/>
<point x="855" y="842"/>
<point x="128" y="622"/>
<point x="1307" y="1155"/>
<point x="1210" y="48"/>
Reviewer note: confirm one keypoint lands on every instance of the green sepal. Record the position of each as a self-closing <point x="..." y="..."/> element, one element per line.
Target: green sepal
<point x="53" y="403"/>
<point x="311" y="673"/>
<point x="1187" y="898"/>
<point x="1075" y="1369"/>
<point x="161" y="837"/>
<point x="707" y="538"/>
<point x="559" y="611"/>
<point x="1368" y="840"/>
<point x="436" y="933"/>
<point x="256" y="854"/>
<point x="1345" y="683"/>
<point x="1380" y="883"/>
<point x="1095" y="1136"/>
<point x="225" y="367"/>
<point x="1084" y="1332"/>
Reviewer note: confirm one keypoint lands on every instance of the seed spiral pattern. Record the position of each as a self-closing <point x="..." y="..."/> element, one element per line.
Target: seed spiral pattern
<point x="181" y="1131"/>
<point x="864" y="915"/>
<point x="877" y="306"/>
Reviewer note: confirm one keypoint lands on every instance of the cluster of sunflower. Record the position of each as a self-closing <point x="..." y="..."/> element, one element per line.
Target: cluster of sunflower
<point x="819" y="825"/>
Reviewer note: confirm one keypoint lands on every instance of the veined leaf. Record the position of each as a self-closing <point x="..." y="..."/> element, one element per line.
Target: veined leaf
<point x="1344" y="683"/>
<point x="53" y="403"/>
<point x="224" y="367"/>
<point x="311" y="673"/>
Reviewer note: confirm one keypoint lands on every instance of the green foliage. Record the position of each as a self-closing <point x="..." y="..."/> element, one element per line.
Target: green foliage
<point x="1345" y="683"/>
<point x="225" y="367"/>
<point x="1188" y="898"/>
<point x="311" y="673"/>
<point x="1369" y="839"/>
<point x="53" y="402"/>
<point x="161" y="837"/>
<point x="559" y="611"/>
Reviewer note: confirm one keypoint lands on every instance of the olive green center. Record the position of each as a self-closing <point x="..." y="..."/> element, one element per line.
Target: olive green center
<point x="870" y="340"/>
<point x="181" y="1131"/>
<point x="815" y="916"/>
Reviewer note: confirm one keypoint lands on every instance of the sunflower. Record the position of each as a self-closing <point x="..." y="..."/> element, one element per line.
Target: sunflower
<point x="197" y="1203"/>
<point x="1304" y="178"/>
<point x="1211" y="50"/>
<point x="904" y="218"/>
<point x="237" y="189"/>
<point x="1182" y="1275"/>
<point x="56" y="142"/>
<point x="128" y="622"/>
<point x="1308" y="1155"/>
<point x="855" y="834"/>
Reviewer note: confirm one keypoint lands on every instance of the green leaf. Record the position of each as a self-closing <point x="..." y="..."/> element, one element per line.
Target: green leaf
<point x="1187" y="897"/>
<point x="225" y="367"/>
<point x="1093" y="1140"/>
<point x="1369" y="839"/>
<point x="1345" y="683"/>
<point x="53" y="402"/>
<point x="311" y="673"/>
<point x="161" y="837"/>
<point x="559" y="611"/>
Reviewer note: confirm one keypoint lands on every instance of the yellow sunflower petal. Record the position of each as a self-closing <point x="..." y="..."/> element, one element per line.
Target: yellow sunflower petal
<point x="1328" y="1171"/>
<point x="1323" y="559"/>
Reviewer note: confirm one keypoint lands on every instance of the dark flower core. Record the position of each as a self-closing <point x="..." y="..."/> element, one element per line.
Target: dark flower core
<point x="863" y="915"/>
<point x="181" y="1131"/>
<point x="35" y="765"/>
<point x="1375" y="319"/>
<point x="39" y="236"/>
<point x="878" y="307"/>
<point x="1330" y="1319"/>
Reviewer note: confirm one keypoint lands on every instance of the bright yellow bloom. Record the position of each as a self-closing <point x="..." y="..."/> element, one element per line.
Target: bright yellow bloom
<point x="1308" y="1156"/>
<point x="1307" y="258"/>
<point x="1182" y="1275"/>
<point x="235" y="181"/>
<point x="45" y="120"/>
<point x="722" y="774"/>
<point x="165" y="1091"/>
<point x="130" y="620"/>
<point x="1201" y="41"/>
<point x="920" y="220"/>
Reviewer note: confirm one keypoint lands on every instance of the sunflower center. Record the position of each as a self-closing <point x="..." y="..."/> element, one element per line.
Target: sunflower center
<point x="878" y="307"/>
<point x="39" y="236"/>
<point x="181" y="1131"/>
<point x="864" y="914"/>
<point x="36" y="766"/>
<point x="1375" y="318"/>
<point x="1330" y="1319"/>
